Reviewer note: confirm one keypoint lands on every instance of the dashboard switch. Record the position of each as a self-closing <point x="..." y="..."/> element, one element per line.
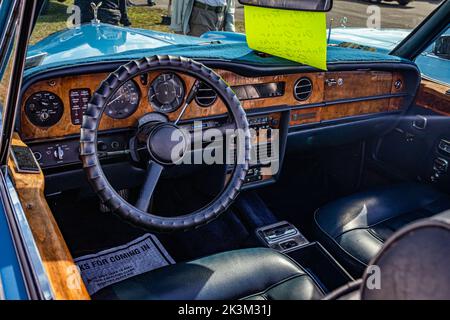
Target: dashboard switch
<point x="37" y="156"/>
<point x="440" y="165"/>
<point x="444" y="146"/>
<point x="101" y="146"/>
<point x="115" y="145"/>
<point x="59" y="153"/>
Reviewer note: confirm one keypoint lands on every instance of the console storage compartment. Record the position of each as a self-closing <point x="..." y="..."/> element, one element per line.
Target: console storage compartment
<point x="321" y="265"/>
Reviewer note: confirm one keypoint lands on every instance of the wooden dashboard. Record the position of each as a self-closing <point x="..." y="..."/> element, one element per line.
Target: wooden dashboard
<point x="434" y="96"/>
<point x="334" y="95"/>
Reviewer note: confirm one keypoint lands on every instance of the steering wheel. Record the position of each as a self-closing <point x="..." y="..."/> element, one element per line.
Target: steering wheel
<point x="159" y="146"/>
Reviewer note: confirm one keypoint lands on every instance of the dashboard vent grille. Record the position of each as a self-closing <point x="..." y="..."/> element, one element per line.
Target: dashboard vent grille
<point x="303" y="89"/>
<point x="206" y="96"/>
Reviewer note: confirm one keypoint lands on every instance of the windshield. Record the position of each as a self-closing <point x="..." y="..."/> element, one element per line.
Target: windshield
<point x="119" y="26"/>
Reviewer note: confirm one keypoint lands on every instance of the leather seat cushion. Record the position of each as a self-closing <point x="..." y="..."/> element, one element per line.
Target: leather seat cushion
<point x="257" y="273"/>
<point x="354" y="228"/>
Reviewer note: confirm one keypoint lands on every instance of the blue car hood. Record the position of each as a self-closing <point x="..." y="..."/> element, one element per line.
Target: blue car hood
<point x="89" y="41"/>
<point x="379" y="40"/>
<point x="97" y="43"/>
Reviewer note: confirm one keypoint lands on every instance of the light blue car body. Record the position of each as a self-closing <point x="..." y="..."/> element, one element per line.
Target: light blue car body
<point x="92" y="43"/>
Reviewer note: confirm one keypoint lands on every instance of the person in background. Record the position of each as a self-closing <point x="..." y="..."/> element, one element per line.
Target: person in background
<point x="195" y="17"/>
<point x="111" y="11"/>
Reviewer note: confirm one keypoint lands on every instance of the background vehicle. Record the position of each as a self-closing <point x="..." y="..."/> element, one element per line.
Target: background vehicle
<point x="400" y="2"/>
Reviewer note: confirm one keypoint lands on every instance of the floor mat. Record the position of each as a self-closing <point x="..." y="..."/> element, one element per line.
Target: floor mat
<point x="113" y="265"/>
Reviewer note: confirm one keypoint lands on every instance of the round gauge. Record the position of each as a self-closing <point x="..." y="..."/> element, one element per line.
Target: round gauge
<point x="166" y="93"/>
<point x="124" y="102"/>
<point x="44" y="108"/>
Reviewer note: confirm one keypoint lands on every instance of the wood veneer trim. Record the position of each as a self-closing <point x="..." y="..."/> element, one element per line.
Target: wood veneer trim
<point x="62" y="272"/>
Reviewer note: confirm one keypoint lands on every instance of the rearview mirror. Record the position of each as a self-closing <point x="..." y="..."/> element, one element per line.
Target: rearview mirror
<point x="299" y="5"/>
<point x="442" y="47"/>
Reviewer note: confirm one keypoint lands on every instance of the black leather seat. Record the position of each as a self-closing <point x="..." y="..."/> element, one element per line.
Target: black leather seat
<point x="412" y="265"/>
<point x="256" y="274"/>
<point x="354" y="228"/>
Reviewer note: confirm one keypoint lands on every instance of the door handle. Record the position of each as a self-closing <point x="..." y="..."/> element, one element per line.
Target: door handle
<point x="420" y="122"/>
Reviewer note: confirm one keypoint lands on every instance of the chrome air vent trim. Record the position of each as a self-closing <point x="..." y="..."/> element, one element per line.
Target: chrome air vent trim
<point x="205" y="96"/>
<point x="303" y="89"/>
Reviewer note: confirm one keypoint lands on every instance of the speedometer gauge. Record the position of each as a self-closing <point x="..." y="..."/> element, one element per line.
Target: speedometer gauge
<point x="166" y="93"/>
<point x="124" y="102"/>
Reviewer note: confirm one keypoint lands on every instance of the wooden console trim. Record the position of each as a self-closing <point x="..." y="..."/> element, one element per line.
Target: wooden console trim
<point x="62" y="272"/>
<point x="342" y="110"/>
<point x="304" y="116"/>
<point x="357" y="84"/>
<point x="354" y="108"/>
<point x="432" y="95"/>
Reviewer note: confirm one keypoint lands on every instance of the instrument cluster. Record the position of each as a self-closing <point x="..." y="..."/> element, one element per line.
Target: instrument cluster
<point x="166" y="94"/>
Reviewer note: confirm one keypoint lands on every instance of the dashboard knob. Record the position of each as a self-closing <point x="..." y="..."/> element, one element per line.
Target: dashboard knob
<point x="37" y="155"/>
<point x="101" y="146"/>
<point x="44" y="116"/>
<point x="59" y="153"/>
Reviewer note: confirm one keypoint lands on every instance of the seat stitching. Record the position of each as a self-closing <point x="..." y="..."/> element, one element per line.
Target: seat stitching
<point x="332" y="239"/>
<point x="438" y="197"/>
<point x="381" y="221"/>
<point x="384" y="220"/>
<point x="365" y="228"/>
<point x="336" y="243"/>
<point x="264" y="292"/>
<point x="372" y="232"/>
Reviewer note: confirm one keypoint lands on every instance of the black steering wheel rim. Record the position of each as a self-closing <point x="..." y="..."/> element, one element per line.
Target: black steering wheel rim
<point x="92" y="166"/>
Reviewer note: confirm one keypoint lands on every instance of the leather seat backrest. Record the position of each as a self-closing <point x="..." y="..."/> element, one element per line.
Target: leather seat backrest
<point x="413" y="264"/>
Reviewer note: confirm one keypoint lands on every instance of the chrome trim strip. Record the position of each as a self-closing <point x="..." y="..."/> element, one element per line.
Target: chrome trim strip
<point x="7" y="34"/>
<point x="2" y="291"/>
<point x="28" y="240"/>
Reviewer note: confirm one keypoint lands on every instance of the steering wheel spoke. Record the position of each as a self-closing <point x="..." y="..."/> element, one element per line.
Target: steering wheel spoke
<point x="154" y="171"/>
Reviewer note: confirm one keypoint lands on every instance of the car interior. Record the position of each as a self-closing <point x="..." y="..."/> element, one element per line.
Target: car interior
<point x="362" y="151"/>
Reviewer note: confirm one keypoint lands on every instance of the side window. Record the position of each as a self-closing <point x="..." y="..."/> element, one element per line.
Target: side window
<point x="5" y="78"/>
<point x="434" y="62"/>
<point x="7" y="51"/>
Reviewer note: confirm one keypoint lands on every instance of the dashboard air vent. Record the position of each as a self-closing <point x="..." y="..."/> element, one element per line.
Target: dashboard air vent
<point x="205" y="96"/>
<point x="303" y="89"/>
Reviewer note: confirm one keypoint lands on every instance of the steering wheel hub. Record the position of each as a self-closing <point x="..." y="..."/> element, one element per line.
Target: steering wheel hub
<point x="167" y="144"/>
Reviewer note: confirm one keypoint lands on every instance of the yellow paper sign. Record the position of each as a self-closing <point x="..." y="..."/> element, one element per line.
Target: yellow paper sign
<point x="295" y="35"/>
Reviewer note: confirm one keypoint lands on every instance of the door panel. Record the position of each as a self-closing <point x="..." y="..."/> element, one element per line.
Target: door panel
<point x="416" y="148"/>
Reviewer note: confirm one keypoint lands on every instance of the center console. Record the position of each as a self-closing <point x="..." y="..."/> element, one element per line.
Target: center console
<point x="281" y="236"/>
<point x="312" y="256"/>
<point x="269" y="136"/>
